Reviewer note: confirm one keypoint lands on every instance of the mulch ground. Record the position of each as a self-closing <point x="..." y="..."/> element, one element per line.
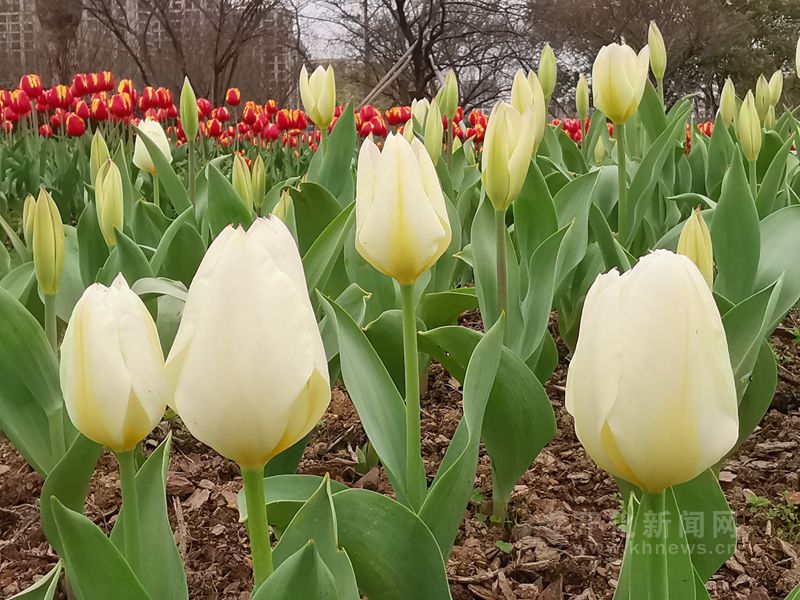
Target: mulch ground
<point x="561" y="539"/>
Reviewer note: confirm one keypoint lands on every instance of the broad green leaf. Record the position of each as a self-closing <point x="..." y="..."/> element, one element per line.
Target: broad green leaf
<point x="302" y="575"/>
<point x="18" y="245"/>
<point x="92" y="249"/>
<point x="614" y="255"/>
<point x="224" y="205"/>
<point x="780" y="247"/>
<point x="572" y="205"/>
<point x="720" y="157"/>
<point x="319" y="260"/>
<point x="759" y="393"/>
<point x="178" y="196"/>
<point x="45" y="588"/>
<point x="128" y="259"/>
<point x="333" y="168"/>
<point x="766" y="199"/>
<point x="535" y="215"/>
<point x="148" y="224"/>
<point x="285" y="495"/>
<point x="71" y="287"/>
<point x="94" y="566"/>
<point x="121" y="160"/>
<point x="314" y="208"/>
<point x="438" y="309"/>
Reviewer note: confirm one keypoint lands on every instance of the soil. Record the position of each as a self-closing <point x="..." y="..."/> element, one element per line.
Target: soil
<point x="561" y="540"/>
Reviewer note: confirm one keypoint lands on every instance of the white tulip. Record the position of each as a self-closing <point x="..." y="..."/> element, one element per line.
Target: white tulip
<point x="247" y="367"/>
<point x="619" y="77"/>
<point x="112" y="367"/>
<point x="141" y="157"/>
<point x="650" y="385"/>
<point x="402" y="227"/>
<point x="318" y="94"/>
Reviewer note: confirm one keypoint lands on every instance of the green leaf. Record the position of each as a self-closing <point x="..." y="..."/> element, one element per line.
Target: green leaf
<point x="285" y="495"/>
<point x="758" y="395"/>
<point x="519" y="419"/>
<point x="385" y="335"/>
<point x="314" y="208"/>
<point x="92" y="249"/>
<point x="95" y="568"/>
<point x="780" y="247"/>
<point x="68" y="482"/>
<point x="438" y="309"/>
<point x="720" y="156"/>
<point x="316" y="522"/>
<point x="302" y="575"/>
<point x="45" y="588"/>
<point x="224" y="205"/>
<point x="148" y="224"/>
<point x="735" y="236"/>
<point x="128" y="259"/>
<point x="572" y="204"/>
<point x="614" y="255"/>
<point x="178" y="196"/>
<point x="333" y="168"/>
<point x="161" y="571"/>
<point x="319" y="260"/>
<point x="766" y="199"/>
<point x="377" y="401"/>
<point x="121" y="160"/>
<point x="19" y="247"/>
<point x="651" y="112"/>
<point x="71" y="287"/>
<point x="535" y="216"/>
<point x="30" y="393"/>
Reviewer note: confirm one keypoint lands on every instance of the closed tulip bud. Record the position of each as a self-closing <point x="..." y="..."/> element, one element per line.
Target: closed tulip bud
<point x="507" y="149"/>
<point x="408" y="131"/>
<point x="109" y="202"/>
<point x="258" y="178"/>
<point x="527" y="95"/>
<point x="112" y="367"/>
<point x="241" y="180"/>
<point x="763" y="97"/>
<point x="190" y="119"/>
<point x="695" y="242"/>
<point x="28" y="210"/>
<point x="658" y="53"/>
<point x="98" y="155"/>
<point x="618" y="80"/>
<point x="141" y="156"/>
<point x="599" y="152"/>
<point x="419" y="111"/>
<point x="469" y="152"/>
<point x="48" y="243"/>
<point x="748" y="128"/>
<point x="283" y="206"/>
<point x="582" y="98"/>
<point x="547" y="71"/>
<point x="727" y="103"/>
<point x="402" y="227"/>
<point x="650" y="384"/>
<point x="775" y="87"/>
<point x="434" y="130"/>
<point x="447" y="97"/>
<point x="248" y="367"/>
<point x="770" y="119"/>
<point x="318" y="94"/>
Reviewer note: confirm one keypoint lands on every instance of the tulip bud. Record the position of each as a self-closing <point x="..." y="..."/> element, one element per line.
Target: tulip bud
<point x="258" y="178"/>
<point x="98" y="155"/>
<point x="527" y="94"/>
<point x="434" y="130"/>
<point x="447" y="97"/>
<point x="283" y="206"/>
<point x="318" y="94"/>
<point x="402" y="227"/>
<point x="599" y="152"/>
<point x="748" y="128"/>
<point x="763" y="97"/>
<point x="419" y="111"/>
<point x="775" y="87"/>
<point x="112" y="365"/>
<point x="242" y="181"/>
<point x="507" y="149"/>
<point x="582" y="98"/>
<point x="248" y="367"/>
<point x="28" y="210"/>
<point x="190" y="119"/>
<point x="469" y="152"/>
<point x="770" y="119"/>
<point x="547" y="72"/>
<point x="658" y="53"/>
<point x="408" y="130"/>
<point x="109" y="202"/>
<point x="695" y="242"/>
<point x="653" y="398"/>
<point x="618" y="80"/>
<point x="48" y="243"/>
<point x="727" y="103"/>
<point x="141" y="156"/>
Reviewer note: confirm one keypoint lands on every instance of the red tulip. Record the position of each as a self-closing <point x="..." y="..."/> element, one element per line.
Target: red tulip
<point x="271" y="107"/>
<point x="59" y="96"/>
<point x="76" y="126"/>
<point x="214" y="128"/>
<point x="233" y="97"/>
<point x="20" y="102"/>
<point x="250" y="113"/>
<point x="126" y="87"/>
<point x="82" y="109"/>
<point x="46" y="131"/>
<point x="32" y="85"/>
<point x="221" y="113"/>
<point x="105" y="81"/>
<point x="5" y="98"/>
<point x="98" y="109"/>
<point x="204" y="108"/>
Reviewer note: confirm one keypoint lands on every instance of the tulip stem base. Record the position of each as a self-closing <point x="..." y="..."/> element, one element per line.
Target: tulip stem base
<point x="502" y="260"/>
<point x="416" y="483"/>
<point x="130" y="508"/>
<point x="257" y="525"/>
<point x="622" y="185"/>
<point x="192" y="170"/>
<point x="50" y="327"/>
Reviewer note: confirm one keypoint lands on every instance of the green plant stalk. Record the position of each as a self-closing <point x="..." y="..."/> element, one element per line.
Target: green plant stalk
<point x="415" y="487"/>
<point x="660" y="83"/>
<point x="622" y="182"/>
<point x="657" y="577"/>
<point x="156" y="191"/>
<point x="130" y="506"/>
<point x="50" y="328"/>
<point x="257" y="525"/>
<point x="192" y="171"/>
<point x="753" y="179"/>
<point x="55" y="423"/>
<point x="502" y="260"/>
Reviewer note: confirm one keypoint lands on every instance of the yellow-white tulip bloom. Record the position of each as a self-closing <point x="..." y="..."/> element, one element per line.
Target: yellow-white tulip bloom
<point x="695" y="242"/>
<point x="98" y="155"/>
<point x="28" y="208"/>
<point x="527" y="94"/>
<point x="141" y="157"/>
<point x="618" y="80"/>
<point x="447" y="97"/>
<point x="650" y="385"/>
<point x="727" y="103"/>
<point x="112" y="367"/>
<point x="658" y="52"/>
<point x="434" y="130"/>
<point x="109" y="202"/>
<point x="48" y="243"/>
<point x="507" y="148"/>
<point x="402" y="227"/>
<point x="242" y="181"/>
<point x="748" y="128"/>
<point x="763" y="97"/>
<point x="247" y="367"/>
<point x="775" y="87"/>
<point x="318" y="94"/>
<point x="419" y="111"/>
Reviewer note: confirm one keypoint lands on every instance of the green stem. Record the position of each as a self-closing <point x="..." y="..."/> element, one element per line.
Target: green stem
<point x="55" y="423"/>
<point x="661" y="90"/>
<point x="415" y="471"/>
<point x="753" y="179"/>
<point x="50" y="321"/>
<point x="192" y="171"/>
<point x="257" y="525"/>
<point x="502" y="269"/>
<point x="156" y="191"/>
<point x="130" y="508"/>
<point x="449" y="144"/>
<point x="656" y="574"/>
<point x="622" y="181"/>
